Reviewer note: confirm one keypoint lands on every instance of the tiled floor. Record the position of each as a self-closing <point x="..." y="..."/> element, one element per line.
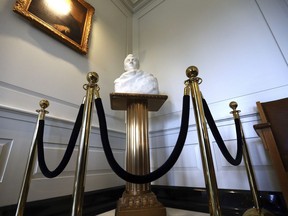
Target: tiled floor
<point x="170" y="212"/>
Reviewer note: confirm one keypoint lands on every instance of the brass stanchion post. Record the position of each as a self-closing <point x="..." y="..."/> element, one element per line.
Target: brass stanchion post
<point x="79" y="182"/>
<point x="257" y="211"/>
<point x="206" y="156"/>
<point x="30" y="162"/>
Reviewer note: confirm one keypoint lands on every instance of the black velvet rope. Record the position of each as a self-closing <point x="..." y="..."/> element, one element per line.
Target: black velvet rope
<point x="68" y="153"/>
<point x="219" y="139"/>
<point x="141" y="179"/>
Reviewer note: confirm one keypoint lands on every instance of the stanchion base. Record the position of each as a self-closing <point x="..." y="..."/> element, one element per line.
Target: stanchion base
<point x="139" y="205"/>
<point x="257" y="212"/>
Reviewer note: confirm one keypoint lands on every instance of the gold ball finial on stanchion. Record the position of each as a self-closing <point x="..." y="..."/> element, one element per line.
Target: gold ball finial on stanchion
<point x="233" y="105"/>
<point x="192" y="72"/>
<point x="92" y="77"/>
<point x="44" y="104"/>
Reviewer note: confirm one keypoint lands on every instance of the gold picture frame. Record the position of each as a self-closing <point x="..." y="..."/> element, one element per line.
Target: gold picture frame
<point x="71" y="26"/>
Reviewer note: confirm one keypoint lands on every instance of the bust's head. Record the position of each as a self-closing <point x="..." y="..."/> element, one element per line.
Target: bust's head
<point x="131" y="63"/>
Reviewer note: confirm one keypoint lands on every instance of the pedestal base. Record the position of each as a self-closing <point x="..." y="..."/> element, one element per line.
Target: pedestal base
<point x="139" y="205"/>
<point x="255" y="212"/>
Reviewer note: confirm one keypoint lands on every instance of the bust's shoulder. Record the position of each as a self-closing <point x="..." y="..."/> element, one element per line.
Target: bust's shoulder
<point x="127" y="74"/>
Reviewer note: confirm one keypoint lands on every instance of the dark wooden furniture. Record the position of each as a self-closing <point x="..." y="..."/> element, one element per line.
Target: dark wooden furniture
<point x="273" y="131"/>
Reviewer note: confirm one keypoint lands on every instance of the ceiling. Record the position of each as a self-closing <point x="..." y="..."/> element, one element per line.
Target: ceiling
<point x="135" y="5"/>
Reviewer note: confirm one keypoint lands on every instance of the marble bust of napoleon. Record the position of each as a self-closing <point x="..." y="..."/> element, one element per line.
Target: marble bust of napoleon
<point x="134" y="80"/>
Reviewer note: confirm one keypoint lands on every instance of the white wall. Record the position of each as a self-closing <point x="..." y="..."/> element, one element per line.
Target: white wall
<point x="16" y="132"/>
<point x="237" y="50"/>
<point x="33" y="66"/>
<point x="240" y="48"/>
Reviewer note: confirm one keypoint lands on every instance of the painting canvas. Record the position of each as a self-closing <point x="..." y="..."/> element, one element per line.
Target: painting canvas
<point x="67" y="20"/>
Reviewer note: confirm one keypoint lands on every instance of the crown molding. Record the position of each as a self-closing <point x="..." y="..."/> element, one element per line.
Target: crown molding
<point x="135" y="5"/>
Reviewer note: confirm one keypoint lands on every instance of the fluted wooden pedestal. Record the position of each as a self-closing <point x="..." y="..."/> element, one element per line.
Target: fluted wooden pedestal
<point x="138" y="199"/>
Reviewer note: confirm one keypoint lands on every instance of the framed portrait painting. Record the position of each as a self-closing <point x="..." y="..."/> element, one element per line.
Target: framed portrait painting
<point x="69" y="21"/>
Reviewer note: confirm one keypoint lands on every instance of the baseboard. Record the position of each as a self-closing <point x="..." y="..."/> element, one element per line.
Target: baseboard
<point x="233" y="202"/>
<point x="95" y="202"/>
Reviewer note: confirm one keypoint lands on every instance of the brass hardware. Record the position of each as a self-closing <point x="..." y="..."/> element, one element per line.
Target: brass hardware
<point x="206" y="155"/>
<point x="96" y="92"/>
<point x="233" y="105"/>
<point x="80" y="173"/>
<point x="192" y="72"/>
<point x="92" y="78"/>
<point x="43" y="104"/>
<point x="187" y="87"/>
<point x="30" y="162"/>
<point x="257" y="210"/>
<point x="138" y="199"/>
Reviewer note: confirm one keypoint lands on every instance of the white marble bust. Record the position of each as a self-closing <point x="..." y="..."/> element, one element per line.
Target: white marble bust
<point x="134" y="80"/>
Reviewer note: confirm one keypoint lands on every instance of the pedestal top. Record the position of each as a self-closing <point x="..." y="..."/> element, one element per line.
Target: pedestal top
<point x="119" y="101"/>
